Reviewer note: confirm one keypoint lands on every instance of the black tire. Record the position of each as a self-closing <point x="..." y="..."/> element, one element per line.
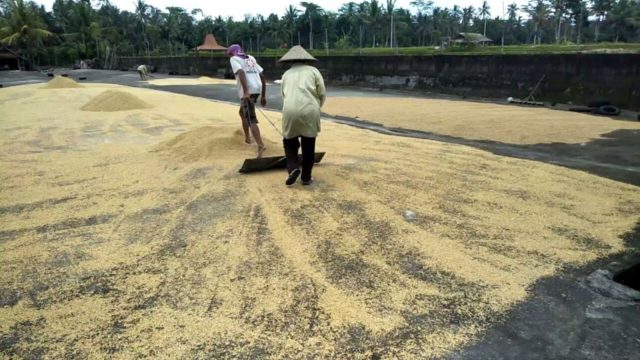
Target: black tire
<point x="581" y="109"/>
<point x="607" y="110"/>
<point x="82" y="78"/>
<point x="599" y="103"/>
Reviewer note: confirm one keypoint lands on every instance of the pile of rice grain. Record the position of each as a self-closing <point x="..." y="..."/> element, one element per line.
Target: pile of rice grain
<point x="213" y="142"/>
<point x="60" y="82"/>
<point x="115" y="100"/>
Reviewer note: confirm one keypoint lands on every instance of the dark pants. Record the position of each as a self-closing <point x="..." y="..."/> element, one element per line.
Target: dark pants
<point x="291" y="147"/>
<point x="248" y="109"/>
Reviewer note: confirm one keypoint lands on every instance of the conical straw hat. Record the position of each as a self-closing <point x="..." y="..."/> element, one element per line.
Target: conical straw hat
<point x="297" y="53"/>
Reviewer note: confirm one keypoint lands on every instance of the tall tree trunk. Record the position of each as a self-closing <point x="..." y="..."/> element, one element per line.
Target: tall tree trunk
<point x="580" y="28"/>
<point x="391" y="35"/>
<point x="598" y="28"/>
<point x="311" y="34"/>
<point x="485" y="26"/>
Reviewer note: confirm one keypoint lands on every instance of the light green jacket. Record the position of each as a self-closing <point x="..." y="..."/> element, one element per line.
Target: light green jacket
<point x="303" y="92"/>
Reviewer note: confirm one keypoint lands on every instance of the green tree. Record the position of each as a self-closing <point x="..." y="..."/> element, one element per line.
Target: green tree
<point x="484" y="12"/>
<point x="423" y="7"/>
<point x="622" y="20"/>
<point x="468" y="14"/>
<point x="538" y="11"/>
<point x="290" y="18"/>
<point x="373" y="18"/>
<point x="600" y="8"/>
<point x="22" y="26"/>
<point x="579" y="14"/>
<point x="312" y="11"/>
<point x="391" y="4"/>
<point x="559" y="7"/>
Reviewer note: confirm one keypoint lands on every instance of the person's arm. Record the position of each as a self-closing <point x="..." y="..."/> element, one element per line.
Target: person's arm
<point x="236" y="67"/>
<point x="320" y="89"/>
<point x="263" y="98"/>
<point x="282" y="82"/>
<point x="243" y="82"/>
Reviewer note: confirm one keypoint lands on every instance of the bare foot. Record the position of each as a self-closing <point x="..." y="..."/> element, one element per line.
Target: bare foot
<point x="260" y="152"/>
<point x="247" y="141"/>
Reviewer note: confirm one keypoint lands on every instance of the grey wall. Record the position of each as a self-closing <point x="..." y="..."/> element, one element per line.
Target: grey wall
<point x="575" y="78"/>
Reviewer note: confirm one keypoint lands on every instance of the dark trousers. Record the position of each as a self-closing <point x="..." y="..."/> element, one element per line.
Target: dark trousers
<point x="291" y="147"/>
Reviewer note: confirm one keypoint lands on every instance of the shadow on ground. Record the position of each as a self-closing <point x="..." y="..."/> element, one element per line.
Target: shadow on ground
<point x="565" y="319"/>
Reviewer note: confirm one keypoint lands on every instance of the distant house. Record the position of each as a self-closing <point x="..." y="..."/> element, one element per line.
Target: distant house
<point x="210" y="44"/>
<point x="11" y="60"/>
<point x="471" y="39"/>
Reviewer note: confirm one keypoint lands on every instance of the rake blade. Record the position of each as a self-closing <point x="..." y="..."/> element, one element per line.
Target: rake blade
<point x="271" y="163"/>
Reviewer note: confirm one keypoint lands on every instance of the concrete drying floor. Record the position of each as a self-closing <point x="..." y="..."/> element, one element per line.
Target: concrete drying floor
<point x="129" y="234"/>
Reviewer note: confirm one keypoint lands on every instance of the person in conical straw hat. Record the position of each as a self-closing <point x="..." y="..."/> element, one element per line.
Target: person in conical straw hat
<point x="303" y="94"/>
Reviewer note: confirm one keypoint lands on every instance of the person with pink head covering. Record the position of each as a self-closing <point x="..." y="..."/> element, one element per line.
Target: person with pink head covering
<point x="251" y="84"/>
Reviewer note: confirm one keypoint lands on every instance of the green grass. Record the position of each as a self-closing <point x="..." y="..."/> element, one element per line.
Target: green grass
<point x="475" y="50"/>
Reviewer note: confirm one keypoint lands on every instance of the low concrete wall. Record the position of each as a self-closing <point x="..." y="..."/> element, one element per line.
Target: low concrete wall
<point x="576" y="78"/>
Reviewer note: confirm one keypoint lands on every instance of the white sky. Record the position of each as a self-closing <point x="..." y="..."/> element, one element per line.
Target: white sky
<point x="239" y="8"/>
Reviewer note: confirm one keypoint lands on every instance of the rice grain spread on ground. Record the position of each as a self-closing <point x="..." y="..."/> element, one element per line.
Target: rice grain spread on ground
<point x="130" y="234"/>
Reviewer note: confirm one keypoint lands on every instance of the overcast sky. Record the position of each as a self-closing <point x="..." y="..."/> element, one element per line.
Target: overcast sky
<point x="239" y="8"/>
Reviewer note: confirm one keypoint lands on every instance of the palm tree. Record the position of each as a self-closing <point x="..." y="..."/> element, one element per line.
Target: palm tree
<point x="197" y="11"/>
<point x="290" y="17"/>
<point x="579" y="12"/>
<point x="347" y="13"/>
<point x="375" y="11"/>
<point x="363" y="16"/>
<point x="560" y="8"/>
<point x="512" y="12"/>
<point x="467" y="15"/>
<point x="311" y="11"/>
<point x="512" y="19"/>
<point x="484" y="11"/>
<point x="62" y="13"/>
<point x="600" y="8"/>
<point x="80" y="23"/>
<point x="141" y="14"/>
<point x="172" y="22"/>
<point x="456" y="18"/>
<point x="622" y="17"/>
<point x="21" y="26"/>
<point x="539" y="11"/>
<point x="390" y="7"/>
<point x="423" y="7"/>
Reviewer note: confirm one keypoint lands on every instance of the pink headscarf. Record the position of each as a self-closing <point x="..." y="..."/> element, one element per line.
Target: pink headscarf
<point x="236" y="50"/>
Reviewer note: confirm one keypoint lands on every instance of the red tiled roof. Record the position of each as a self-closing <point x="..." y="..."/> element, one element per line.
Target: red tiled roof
<point x="210" y="44"/>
